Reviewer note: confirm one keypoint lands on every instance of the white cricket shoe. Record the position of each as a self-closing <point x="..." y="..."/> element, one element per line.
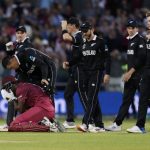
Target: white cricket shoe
<point x="96" y="130"/>
<point x="4" y="128"/>
<point x="113" y="127"/>
<point x="69" y="125"/>
<point x="52" y="126"/>
<point x="136" y="129"/>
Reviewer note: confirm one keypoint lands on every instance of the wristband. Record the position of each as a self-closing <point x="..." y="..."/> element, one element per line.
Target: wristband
<point x="64" y="31"/>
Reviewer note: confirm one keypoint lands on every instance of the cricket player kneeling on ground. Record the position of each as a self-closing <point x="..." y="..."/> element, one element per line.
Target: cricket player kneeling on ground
<point x="37" y="112"/>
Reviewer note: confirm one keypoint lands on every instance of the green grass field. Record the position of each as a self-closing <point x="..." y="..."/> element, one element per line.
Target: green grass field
<point x="78" y="141"/>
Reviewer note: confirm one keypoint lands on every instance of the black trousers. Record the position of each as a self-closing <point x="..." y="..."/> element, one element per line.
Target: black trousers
<point x="144" y="99"/>
<point x="72" y="87"/>
<point x="68" y="94"/>
<point x="130" y="88"/>
<point x="88" y="87"/>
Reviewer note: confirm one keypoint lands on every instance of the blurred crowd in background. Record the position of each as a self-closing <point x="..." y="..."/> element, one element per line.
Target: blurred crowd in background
<point x="42" y="19"/>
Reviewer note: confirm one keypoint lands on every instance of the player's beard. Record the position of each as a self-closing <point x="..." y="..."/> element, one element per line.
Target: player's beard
<point x="88" y="36"/>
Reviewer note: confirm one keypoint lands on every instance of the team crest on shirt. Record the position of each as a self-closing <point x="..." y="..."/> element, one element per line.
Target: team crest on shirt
<point x="31" y="69"/>
<point x="130" y="52"/>
<point x="20" y="46"/>
<point x="93" y="84"/>
<point x="93" y="44"/>
<point x="32" y="58"/>
<point x="141" y="46"/>
<point x="132" y="44"/>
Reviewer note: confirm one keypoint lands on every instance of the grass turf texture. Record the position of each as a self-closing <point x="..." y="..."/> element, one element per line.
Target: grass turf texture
<point x="78" y="141"/>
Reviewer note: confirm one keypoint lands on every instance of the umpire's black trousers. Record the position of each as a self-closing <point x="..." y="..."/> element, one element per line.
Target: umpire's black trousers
<point x="89" y="85"/>
<point x="130" y="88"/>
<point x="144" y="98"/>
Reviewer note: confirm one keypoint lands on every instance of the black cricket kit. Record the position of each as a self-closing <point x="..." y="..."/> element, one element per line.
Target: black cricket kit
<point x="95" y="60"/>
<point x="71" y="87"/>
<point x="24" y="44"/>
<point x="136" y="54"/>
<point x="144" y="86"/>
<point x="19" y="46"/>
<point x="36" y="66"/>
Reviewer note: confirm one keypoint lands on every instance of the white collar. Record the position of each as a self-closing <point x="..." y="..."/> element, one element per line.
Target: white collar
<point x="23" y="39"/>
<point x="94" y="38"/>
<point x="74" y="33"/>
<point x="131" y="37"/>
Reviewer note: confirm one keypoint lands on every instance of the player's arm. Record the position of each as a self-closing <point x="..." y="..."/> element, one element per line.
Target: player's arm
<point x="33" y="58"/>
<point x="65" y="35"/>
<point x="19" y="103"/>
<point x="107" y="62"/>
<point x="19" y="106"/>
<point x="77" y="55"/>
<point x="139" y="60"/>
<point x="141" y="55"/>
<point x="10" y="48"/>
<point x="44" y="70"/>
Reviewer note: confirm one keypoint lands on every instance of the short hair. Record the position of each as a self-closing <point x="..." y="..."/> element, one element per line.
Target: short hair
<point x="74" y="21"/>
<point x="5" y="61"/>
<point x="148" y="14"/>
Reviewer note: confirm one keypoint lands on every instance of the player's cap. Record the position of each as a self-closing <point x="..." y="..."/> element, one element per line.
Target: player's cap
<point x="132" y="23"/>
<point x="74" y="21"/>
<point x="21" y="28"/>
<point x="7" y="81"/>
<point x="85" y="27"/>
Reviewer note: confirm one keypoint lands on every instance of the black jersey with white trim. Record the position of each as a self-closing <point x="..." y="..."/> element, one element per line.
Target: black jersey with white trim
<point x="147" y="64"/>
<point x="136" y="54"/>
<point x="20" y="46"/>
<point x="95" y="55"/>
<point x="35" y="65"/>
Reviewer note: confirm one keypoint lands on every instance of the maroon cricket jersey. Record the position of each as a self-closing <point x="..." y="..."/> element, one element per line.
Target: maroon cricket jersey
<point x="32" y="95"/>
